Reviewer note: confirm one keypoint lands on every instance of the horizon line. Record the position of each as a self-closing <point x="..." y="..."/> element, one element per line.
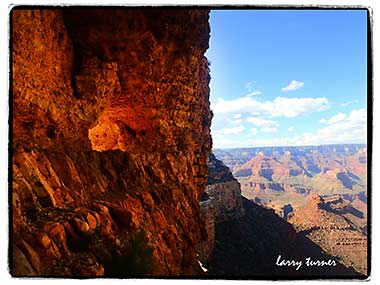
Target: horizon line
<point x="336" y="144"/>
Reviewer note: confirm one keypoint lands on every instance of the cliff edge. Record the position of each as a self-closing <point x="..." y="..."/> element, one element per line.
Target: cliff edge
<point x="110" y="140"/>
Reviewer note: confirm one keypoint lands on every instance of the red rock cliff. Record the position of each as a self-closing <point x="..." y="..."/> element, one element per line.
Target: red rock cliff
<point x="110" y="139"/>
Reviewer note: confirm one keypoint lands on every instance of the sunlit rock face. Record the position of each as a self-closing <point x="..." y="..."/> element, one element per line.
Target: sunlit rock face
<point x="325" y="220"/>
<point x="111" y="134"/>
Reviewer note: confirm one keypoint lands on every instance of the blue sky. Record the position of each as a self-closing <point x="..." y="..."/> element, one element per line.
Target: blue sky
<point x="288" y="77"/>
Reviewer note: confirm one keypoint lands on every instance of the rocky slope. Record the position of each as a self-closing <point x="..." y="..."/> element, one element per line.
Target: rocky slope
<point x="322" y="191"/>
<point x="225" y="190"/>
<point x="327" y="222"/>
<point x="110" y="128"/>
<point x="327" y="228"/>
<point x="250" y="242"/>
<point x="221" y="202"/>
<point x="206" y="246"/>
<point x="251" y="247"/>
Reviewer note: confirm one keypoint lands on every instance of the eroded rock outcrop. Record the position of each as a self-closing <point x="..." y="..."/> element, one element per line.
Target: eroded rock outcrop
<point x="330" y="223"/>
<point x="225" y="189"/>
<point x="110" y="140"/>
<point x="220" y="202"/>
<point x="250" y="244"/>
<point x="206" y="247"/>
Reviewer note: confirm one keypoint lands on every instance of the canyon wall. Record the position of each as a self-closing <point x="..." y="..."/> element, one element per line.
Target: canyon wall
<point x="110" y="139"/>
<point x="221" y="202"/>
<point x="225" y="189"/>
<point x="206" y="246"/>
<point x="227" y="200"/>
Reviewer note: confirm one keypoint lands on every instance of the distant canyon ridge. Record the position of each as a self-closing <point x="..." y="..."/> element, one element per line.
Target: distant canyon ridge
<point x="273" y="174"/>
<point x="320" y="190"/>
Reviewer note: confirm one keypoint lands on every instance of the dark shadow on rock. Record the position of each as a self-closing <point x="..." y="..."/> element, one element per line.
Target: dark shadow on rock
<point x="276" y="187"/>
<point x="362" y="197"/>
<point x="250" y="247"/>
<point x="345" y="210"/>
<point x="345" y="179"/>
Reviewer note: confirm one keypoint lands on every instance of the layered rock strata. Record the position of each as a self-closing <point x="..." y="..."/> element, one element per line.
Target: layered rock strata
<point x="110" y="128"/>
<point x="220" y="202"/>
<point x="206" y="247"/>
<point x="326" y="223"/>
<point x="227" y="200"/>
<point x="225" y="189"/>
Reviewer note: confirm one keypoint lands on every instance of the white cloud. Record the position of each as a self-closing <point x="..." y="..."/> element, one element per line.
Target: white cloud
<point x="229" y="131"/>
<point x="238" y="121"/>
<point x="349" y="103"/>
<point x="238" y="105"/>
<point x="268" y="129"/>
<point x="230" y="113"/>
<point x="290" y="129"/>
<point x="266" y="126"/>
<point x="226" y="143"/>
<point x="280" y="107"/>
<point x="253" y="131"/>
<point x="358" y="116"/>
<point x="334" y="119"/>
<point x="352" y="129"/>
<point x="260" y="122"/>
<point x="254" y="93"/>
<point x="342" y="129"/>
<point x="294" y="107"/>
<point x="293" y="85"/>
